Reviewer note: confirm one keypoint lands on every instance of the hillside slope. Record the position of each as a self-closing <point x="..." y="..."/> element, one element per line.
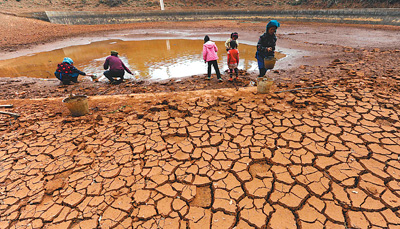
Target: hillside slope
<point x="20" y="6"/>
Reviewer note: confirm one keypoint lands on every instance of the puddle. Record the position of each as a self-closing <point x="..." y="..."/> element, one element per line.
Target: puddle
<point x="148" y="59"/>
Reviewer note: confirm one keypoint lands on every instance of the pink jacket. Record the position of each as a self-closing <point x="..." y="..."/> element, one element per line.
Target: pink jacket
<point x="210" y="51"/>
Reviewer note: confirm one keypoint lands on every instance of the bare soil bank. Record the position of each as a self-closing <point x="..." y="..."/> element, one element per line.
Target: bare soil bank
<point x="143" y="5"/>
<point x="308" y="45"/>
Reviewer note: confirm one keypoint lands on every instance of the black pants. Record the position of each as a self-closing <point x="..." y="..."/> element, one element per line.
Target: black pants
<point x="262" y="72"/>
<point x="236" y="72"/>
<point x="111" y="75"/>
<point x="66" y="79"/>
<point x="215" y="64"/>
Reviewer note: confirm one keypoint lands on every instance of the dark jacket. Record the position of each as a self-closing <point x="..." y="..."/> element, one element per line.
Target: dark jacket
<point x="265" y="42"/>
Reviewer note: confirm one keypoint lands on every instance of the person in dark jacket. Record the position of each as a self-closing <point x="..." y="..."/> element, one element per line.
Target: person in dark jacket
<point x="116" y="68"/>
<point x="66" y="72"/>
<point x="266" y="45"/>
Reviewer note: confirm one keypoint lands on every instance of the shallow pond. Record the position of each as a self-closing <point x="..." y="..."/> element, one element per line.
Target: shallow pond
<point x="147" y="59"/>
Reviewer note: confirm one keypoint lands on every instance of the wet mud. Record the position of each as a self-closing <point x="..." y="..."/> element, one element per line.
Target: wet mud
<point x="198" y="154"/>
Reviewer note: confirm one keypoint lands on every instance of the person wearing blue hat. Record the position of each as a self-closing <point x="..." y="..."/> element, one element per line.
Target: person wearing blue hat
<point x="266" y="45"/>
<point x="66" y="72"/>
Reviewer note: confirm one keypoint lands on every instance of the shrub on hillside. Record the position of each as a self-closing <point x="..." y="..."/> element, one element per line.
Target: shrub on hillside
<point x="365" y="3"/>
<point x="111" y="3"/>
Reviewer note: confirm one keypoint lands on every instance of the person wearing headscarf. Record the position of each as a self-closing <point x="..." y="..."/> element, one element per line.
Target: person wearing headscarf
<point x="66" y="72"/>
<point x="116" y="68"/>
<point x="266" y="45"/>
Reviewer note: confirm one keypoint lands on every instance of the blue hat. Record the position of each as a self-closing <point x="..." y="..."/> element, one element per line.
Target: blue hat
<point x="273" y="23"/>
<point x="68" y="60"/>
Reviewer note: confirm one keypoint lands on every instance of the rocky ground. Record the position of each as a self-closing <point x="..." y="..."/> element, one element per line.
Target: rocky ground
<point x="200" y="154"/>
<point x="322" y="158"/>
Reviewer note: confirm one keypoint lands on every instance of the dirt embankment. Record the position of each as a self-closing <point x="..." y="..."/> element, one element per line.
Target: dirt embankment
<point x="308" y="44"/>
<point x="177" y="5"/>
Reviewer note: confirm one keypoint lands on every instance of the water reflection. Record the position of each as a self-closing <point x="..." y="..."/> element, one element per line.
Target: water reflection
<point x="148" y="59"/>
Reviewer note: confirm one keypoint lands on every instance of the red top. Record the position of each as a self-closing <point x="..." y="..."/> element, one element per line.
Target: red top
<point x="233" y="56"/>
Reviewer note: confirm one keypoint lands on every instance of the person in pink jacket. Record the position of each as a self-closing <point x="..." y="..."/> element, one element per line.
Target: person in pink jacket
<point x="210" y="56"/>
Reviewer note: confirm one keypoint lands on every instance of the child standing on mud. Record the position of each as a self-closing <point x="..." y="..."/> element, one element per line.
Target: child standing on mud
<point x="210" y="56"/>
<point x="233" y="60"/>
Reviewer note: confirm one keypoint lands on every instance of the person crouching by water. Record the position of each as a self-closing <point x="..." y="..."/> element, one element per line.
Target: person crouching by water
<point x="266" y="45"/>
<point x="66" y="72"/>
<point x="210" y="56"/>
<point x="116" y="68"/>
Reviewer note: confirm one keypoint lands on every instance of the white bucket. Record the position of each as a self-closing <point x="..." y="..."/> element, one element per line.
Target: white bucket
<point x="264" y="85"/>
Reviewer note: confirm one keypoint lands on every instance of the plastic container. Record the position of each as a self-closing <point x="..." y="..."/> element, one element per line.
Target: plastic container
<point x="95" y="78"/>
<point x="264" y="85"/>
<point x="269" y="62"/>
<point x="77" y="105"/>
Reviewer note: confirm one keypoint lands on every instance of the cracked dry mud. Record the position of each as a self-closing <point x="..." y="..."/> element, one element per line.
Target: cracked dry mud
<point x="322" y="158"/>
<point x="220" y="158"/>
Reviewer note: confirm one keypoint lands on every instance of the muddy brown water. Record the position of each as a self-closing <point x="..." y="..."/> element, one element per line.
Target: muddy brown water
<point x="147" y="59"/>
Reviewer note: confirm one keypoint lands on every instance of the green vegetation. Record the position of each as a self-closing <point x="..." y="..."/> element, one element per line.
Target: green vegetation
<point x="207" y="4"/>
<point x="365" y="3"/>
<point x="150" y="3"/>
<point x="112" y="3"/>
<point x="342" y="3"/>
